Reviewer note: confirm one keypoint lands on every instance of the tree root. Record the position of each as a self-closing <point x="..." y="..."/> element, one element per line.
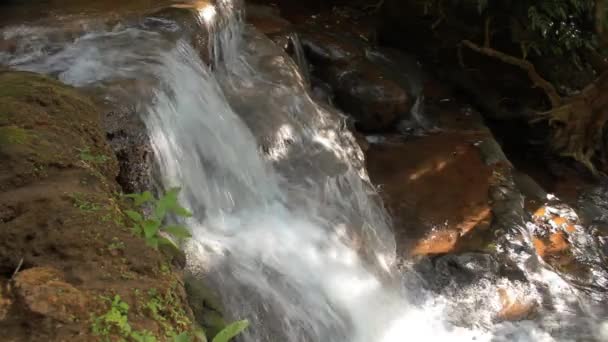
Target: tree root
<point x="577" y="121"/>
<point x="538" y="81"/>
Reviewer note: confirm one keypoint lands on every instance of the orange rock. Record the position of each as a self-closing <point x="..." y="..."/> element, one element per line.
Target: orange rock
<point x="540" y="246"/>
<point x="570" y="228"/>
<point x="514" y="309"/>
<point x="437" y="242"/>
<point x="559" y="221"/>
<point x="540" y="212"/>
<point x="557" y="243"/>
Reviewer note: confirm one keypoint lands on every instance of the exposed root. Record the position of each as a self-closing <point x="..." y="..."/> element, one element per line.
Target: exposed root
<point x="536" y="79"/>
<point x="578" y="121"/>
<point x="578" y="124"/>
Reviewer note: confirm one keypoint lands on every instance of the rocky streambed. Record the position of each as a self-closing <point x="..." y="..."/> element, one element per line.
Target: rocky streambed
<point x="462" y="210"/>
<point x="504" y="237"/>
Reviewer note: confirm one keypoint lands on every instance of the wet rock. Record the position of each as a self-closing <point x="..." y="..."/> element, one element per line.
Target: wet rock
<point x="331" y="47"/>
<point x="405" y="68"/>
<point x="181" y="21"/>
<point x="267" y="19"/>
<point x="513" y="308"/>
<point x="368" y="94"/>
<point x="128" y="138"/>
<point x="45" y="292"/>
<point x="322" y="91"/>
<point x="438" y="195"/>
<point x="552" y="227"/>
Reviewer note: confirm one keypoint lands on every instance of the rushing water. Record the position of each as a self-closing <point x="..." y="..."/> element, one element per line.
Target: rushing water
<point x="287" y="226"/>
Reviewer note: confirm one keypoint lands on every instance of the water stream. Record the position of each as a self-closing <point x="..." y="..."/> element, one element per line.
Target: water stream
<point x="287" y="226"/>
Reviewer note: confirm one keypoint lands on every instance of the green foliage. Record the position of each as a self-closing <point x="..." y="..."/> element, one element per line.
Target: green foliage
<point x="231" y="331"/>
<point x="540" y="27"/>
<point x="227" y="334"/>
<point x="165" y="308"/>
<point x="150" y="227"/>
<point x="562" y="27"/>
<point x="115" y="319"/>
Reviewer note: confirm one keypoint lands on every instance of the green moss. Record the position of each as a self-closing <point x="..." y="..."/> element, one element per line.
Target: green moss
<point x="11" y="135"/>
<point x="21" y="85"/>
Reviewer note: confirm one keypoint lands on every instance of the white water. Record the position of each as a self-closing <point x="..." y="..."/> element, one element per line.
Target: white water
<point x="286" y="225"/>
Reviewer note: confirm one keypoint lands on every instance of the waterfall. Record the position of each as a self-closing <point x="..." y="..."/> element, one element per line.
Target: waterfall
<point x="286" y="226"/>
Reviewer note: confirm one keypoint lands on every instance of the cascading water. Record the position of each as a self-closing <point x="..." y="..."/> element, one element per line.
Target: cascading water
<point x="286" y="227"/>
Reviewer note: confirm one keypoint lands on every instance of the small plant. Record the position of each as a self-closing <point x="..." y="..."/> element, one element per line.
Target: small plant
<point x="151" y="227"/>
<point x="230" y="331"/>
<point x="227" y="334"/>
<point x="115" y="318"/>
<point x="86" y="156"/>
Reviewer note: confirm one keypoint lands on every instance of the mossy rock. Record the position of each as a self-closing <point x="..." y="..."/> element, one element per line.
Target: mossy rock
<point x="46" y="124"/>
<point x="60" y="210"/>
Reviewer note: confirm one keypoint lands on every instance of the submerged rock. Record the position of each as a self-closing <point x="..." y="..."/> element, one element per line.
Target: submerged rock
<point x="513" y="308"/>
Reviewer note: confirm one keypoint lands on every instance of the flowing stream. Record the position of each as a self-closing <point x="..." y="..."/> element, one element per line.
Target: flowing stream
<point x="287" y="226"/>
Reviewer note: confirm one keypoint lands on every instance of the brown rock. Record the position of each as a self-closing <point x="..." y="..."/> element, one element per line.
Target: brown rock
<point x="267" y="19"/>
<point x="438" y="194"/>
<point x="43" y="292"/>
<point x="331" y="47"/>
<point x="367" y="93"/>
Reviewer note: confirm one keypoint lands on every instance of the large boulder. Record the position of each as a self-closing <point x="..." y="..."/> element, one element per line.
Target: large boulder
<point x="368" y="94"/>
<point x="327" y="47"/>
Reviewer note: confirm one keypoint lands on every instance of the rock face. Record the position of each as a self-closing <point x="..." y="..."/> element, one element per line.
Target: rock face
<point x="62" y="226"/>
<point x="127" y="136"/>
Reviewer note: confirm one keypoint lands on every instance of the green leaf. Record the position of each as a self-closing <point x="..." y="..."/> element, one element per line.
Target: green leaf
<point x="183" y="337"/>
<point x="152" y="242"/>
<point x="165" y="241"/>
<point x="150" y="227"/>
<point x="181" y="211"/>
<point x="142" y="198"/>
<point x="133" y="215"/>
<point x="230" y="331"/>
<point x="160" y="210"/>
<point x="179" y="232"/>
